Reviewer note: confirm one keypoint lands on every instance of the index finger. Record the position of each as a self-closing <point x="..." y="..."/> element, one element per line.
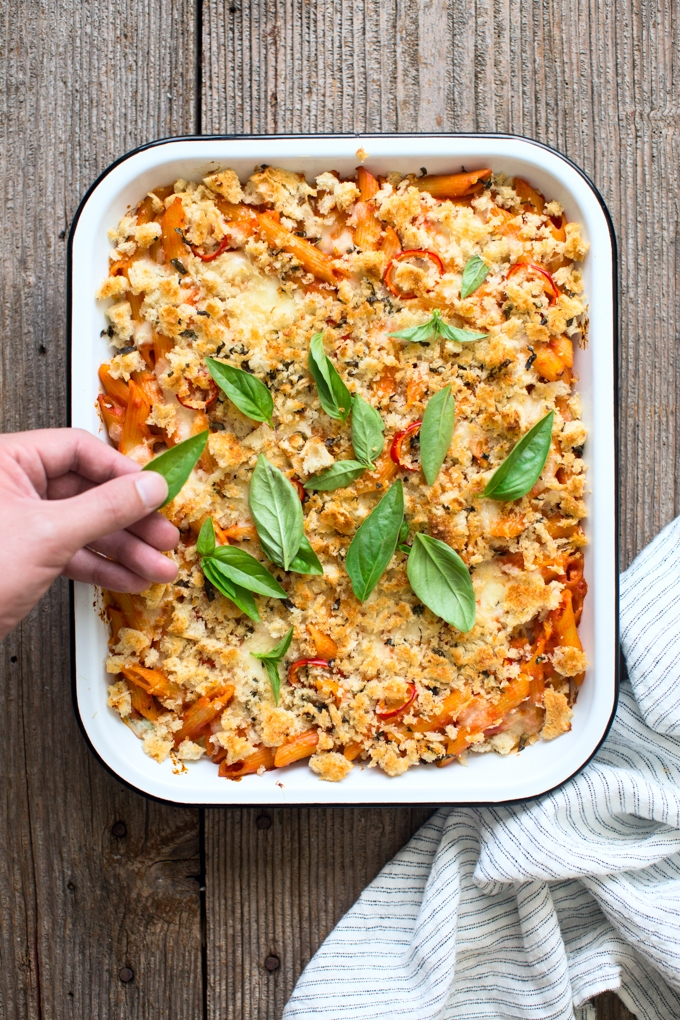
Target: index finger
<point x="69" y="450"/>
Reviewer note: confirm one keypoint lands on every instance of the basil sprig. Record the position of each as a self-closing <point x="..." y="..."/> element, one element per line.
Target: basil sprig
<point x="277" y="513"/>
<point x="177" y="463"/>
<point x="249" y="394"/>
<point x="368" y="443"/>
<point x="436" y="327"/>
<point x="271" y="659"/>
<point x="367" y="432"/>
<point x="335" y="398"/>
<point x="522" y="468"/>
<point x="474" y="275"/>
<point x="436" y="432"/>
<point x="441" y="581"/>
<point x="235" y="572"/>
<point x="238" y="595"/>
<point x="374" y="543"/>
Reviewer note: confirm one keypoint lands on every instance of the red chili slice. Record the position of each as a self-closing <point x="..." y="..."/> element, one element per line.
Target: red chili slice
<point x="195" y="401"/>
<point x="383" y="713"/>
<point x="301" y="491"/>
<point x="301" y="663"/>
<point x="554" y="291"/>
<point x="223" y="245"/>
<point x="397" y="443"/>
<point x="411" y="253"/>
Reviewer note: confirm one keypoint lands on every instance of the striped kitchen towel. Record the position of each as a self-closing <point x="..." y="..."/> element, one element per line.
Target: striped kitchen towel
<point x="528" y="911"/>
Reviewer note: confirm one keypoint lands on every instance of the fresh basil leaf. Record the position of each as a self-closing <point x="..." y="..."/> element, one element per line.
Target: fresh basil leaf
<point x="274" y="678"/>
<point x="522" y="468"/>
<point x="460" y="336"/>
<point x="436" y="432"/>
<point x="306" y="561"/>
<point x="205" y="546"/>
<point x="238" y="595"/>
<point x="276" y="653"/>
<point x="367" y="432"/>
<point x="474" y="275"/>
<point x="335" y="398"/>
<point x="244" y="569"/>
<point x="419" y="334"/>
<point x="374" y="543"/>
<point x="249" y="394"/>
<point x="403" y="531"/>
<point x="339" y="475"/>
<point x="277" y="513"/>
<point x="177" y="463"/>
<point x="271" y="660"/>
<point x="441" y="581"/>
<point x="435" y="327"/>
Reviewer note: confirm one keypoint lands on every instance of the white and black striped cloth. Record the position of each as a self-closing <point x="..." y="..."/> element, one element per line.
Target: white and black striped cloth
<point x="528" y="911"/>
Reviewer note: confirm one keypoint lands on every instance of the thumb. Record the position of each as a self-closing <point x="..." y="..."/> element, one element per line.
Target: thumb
<point x="107" y="508"/>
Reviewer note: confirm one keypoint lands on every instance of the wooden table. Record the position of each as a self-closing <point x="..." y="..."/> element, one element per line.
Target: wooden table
<point x="113" y="906"/>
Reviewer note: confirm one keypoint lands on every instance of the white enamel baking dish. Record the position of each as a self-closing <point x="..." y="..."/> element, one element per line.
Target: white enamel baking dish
<point x="488" y="778"/>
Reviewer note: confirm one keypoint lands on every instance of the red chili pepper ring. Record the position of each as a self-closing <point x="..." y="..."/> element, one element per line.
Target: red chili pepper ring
<point x="398" y="442"/>
<point x="532" y="267"/>
<point x="222" y="247"/>
<point x="411" y="253"/>
<point x="385" y="713"/>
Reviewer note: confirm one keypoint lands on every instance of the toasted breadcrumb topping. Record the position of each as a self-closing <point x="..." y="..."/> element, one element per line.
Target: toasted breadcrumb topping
<point x="247" y="272"/>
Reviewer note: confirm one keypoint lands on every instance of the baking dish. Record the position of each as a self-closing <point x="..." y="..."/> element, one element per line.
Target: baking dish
<point x="488" y="778"/>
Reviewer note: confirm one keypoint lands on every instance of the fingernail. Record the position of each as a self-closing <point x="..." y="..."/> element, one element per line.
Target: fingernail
<point x="152" y="488"/>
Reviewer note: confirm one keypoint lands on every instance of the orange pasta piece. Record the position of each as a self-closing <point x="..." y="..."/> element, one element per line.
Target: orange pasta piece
<point x="148" y="384"/>
<point x="262" y="758"/>
<point x="530" y="198"/>
<point x="352" y="750"/>
<point x="117" y="620"/>
<point x="301" y="746"/>
<point x="115" y="388"/>
<point x="548" y="365"/>
<point x="153" y="682"/>
<point x="143" y="702"/>
<point x="314" y="261"/>
<point x="534" y="670"/>
<point x="481" y="716"/>
<point x="368" y="230"/>
<point x="172" y="220"/>
<point x="200" y="714"/>
<point x="391" y="244"/>
<point x="131" y="607"/>
<point x="326" y="647"/>
<point x="136" y="432"/>
<point x="113" y="415"/>
<point x="162" y="345"/>
<point x="564" y="349"/>
<point x="452" y="706"/>
<point x="367" y="183"/>
<point x="453" y="185"/>
<point x="240" y="533"/>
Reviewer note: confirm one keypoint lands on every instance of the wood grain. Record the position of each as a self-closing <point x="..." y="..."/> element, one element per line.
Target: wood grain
<point x="595" y="81"/>
<point x="79" y="85"/>
<point x="277" y="891"/>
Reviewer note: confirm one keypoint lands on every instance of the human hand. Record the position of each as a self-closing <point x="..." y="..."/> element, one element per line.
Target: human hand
<point x="67" y="501"/>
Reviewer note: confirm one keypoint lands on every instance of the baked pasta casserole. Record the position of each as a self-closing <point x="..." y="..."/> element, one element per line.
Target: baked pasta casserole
<point x="369" y="386"/>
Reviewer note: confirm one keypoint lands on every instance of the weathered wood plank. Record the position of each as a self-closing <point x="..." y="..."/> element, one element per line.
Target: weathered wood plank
<point x="595" y="81"/>
<point x="277" y="882"/>
<point x="79" y="85"/>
